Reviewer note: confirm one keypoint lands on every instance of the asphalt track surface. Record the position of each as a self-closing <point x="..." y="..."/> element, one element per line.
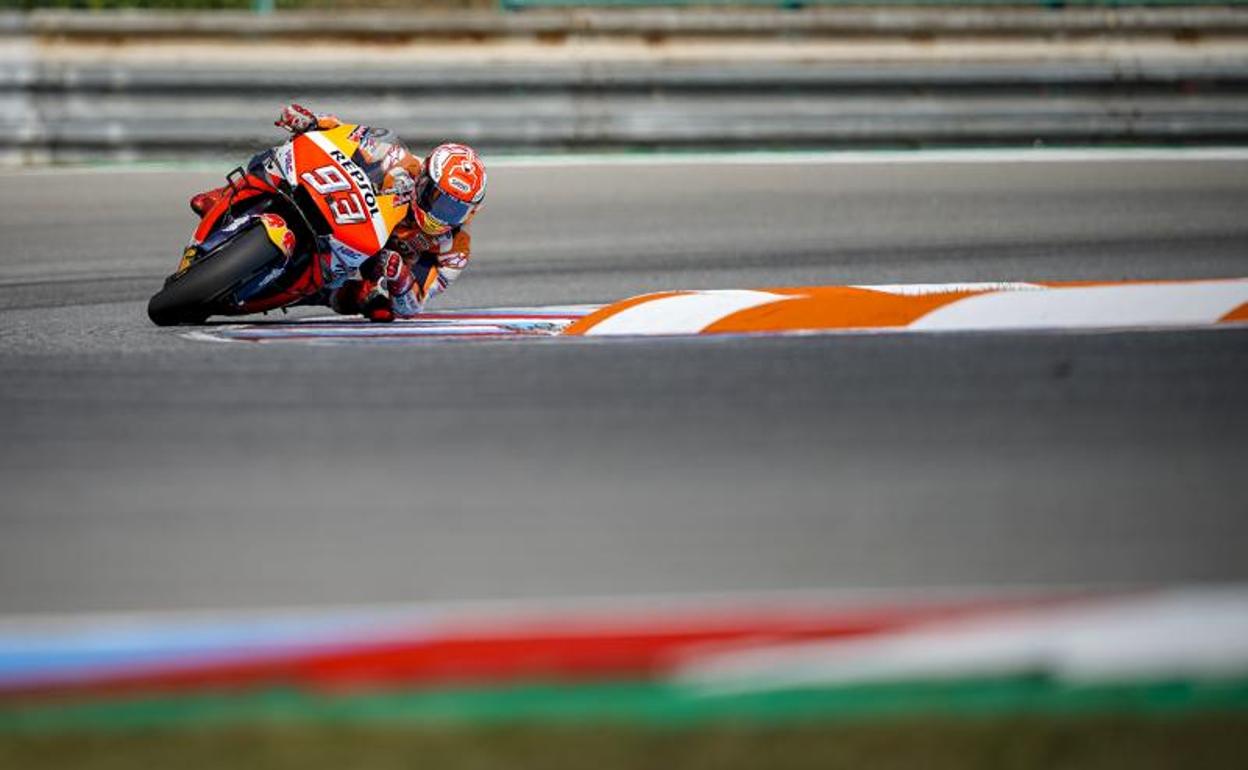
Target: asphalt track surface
<point x="143" y="470"/>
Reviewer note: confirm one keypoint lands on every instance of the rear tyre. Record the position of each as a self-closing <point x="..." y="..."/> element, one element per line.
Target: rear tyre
<point x="189" y="298"/>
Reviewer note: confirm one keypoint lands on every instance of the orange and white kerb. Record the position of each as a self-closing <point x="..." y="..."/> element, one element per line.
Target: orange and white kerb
<point x="926" y="308"/>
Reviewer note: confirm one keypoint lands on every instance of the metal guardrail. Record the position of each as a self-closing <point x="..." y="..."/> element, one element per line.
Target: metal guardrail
<point x="269" y="6"/>
<point x="648" y="23"/>
<point x="60" y="111"/>
<point x="69" y="113"/>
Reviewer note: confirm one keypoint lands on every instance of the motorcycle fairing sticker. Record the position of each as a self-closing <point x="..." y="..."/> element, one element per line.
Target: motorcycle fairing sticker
<point x="286" y="163"/>
<point x="344" y="261"/>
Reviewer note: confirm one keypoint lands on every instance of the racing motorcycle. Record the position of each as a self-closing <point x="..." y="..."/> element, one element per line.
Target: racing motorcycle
<point x="266" y="244"/>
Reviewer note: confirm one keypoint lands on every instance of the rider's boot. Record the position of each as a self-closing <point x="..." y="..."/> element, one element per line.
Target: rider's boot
<point x="376" y="307"/>
<point x="203" y="202"/>
<point x="348" y="299"/>
<point x="378" y="310"/>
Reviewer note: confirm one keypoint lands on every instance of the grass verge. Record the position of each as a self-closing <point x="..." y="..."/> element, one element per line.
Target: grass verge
<point x="1207" y="741"/>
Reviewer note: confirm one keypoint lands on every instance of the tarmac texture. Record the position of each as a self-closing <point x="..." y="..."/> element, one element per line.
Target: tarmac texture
<point x="143" y="470"/>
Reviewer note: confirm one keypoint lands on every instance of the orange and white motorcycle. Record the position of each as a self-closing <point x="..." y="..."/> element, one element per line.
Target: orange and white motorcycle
<point x="287" y="217"/>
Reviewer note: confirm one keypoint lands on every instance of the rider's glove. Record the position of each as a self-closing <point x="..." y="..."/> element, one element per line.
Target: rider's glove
<point x="401" y="185"/>
<point x="296" y="119"/>
<point x="395" y="273"/>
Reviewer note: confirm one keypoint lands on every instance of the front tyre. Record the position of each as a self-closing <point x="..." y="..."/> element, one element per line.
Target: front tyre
<point x="200" y="291"/>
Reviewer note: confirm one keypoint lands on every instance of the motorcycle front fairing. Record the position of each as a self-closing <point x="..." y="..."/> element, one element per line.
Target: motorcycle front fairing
<point x="331" y="169"/>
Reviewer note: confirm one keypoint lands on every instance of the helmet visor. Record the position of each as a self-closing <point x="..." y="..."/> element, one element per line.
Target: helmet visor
<point x="436" y="203"/>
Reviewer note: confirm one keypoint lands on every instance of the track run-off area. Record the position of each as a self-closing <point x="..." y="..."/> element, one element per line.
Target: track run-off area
<point x="1079" y="420"/>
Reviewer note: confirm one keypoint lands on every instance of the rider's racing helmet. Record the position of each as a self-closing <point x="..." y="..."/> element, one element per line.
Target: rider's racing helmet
<point x="450" y="188"/>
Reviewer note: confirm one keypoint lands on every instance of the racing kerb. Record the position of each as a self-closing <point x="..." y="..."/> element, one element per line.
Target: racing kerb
<point x="762" y="658"/>
<point x="901" y="308"/>
<point x="925" y="307"/>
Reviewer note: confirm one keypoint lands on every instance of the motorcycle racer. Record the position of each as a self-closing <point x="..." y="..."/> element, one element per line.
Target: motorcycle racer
<point x="426" y="251"/>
